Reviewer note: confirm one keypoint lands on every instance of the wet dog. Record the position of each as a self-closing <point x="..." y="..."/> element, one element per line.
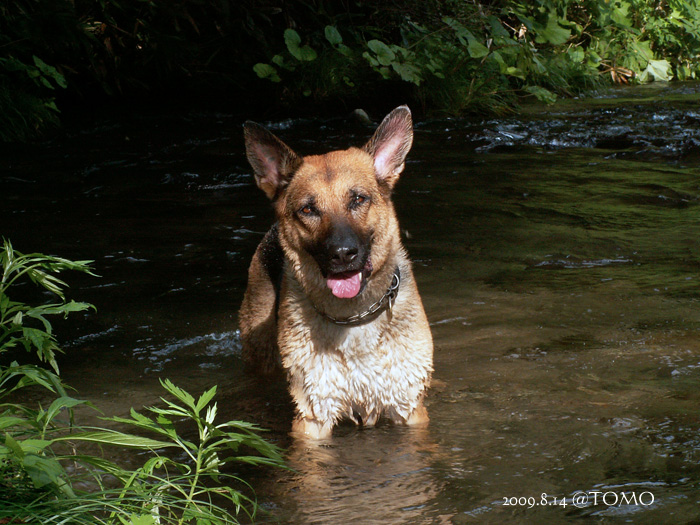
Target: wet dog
<point x="330" y="288"/>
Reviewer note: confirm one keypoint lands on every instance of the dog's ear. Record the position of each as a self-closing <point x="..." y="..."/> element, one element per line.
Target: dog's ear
<point x="273" y="162"/>
<point x="390" y="144"/>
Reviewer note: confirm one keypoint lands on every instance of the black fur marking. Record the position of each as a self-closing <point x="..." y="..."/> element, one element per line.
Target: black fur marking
<point x="272" y="258"/>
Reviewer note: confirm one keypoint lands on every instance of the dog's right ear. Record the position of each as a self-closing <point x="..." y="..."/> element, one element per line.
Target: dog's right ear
<point x="273" y="162"/>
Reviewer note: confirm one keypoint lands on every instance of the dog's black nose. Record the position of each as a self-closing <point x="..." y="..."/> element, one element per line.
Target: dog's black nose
<point x="343" y="254"/>
<point x="342" y="250"/>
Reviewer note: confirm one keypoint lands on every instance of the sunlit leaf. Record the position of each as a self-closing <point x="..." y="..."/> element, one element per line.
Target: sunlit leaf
<point x="576" y="54"/>
<point x="658" y="70"/>
<point x="143" y="519"/>
<point x="113" y="437"/>
<point x="618" y="13"/>
<point x="553" y="33"/>
<point x="205" y="398"/>
<point x="62" y="403"/>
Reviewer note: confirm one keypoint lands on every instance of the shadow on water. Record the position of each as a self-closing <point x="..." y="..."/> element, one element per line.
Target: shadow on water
<point x="557" y="256"/>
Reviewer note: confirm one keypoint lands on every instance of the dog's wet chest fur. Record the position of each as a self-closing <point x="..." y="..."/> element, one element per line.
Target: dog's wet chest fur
<point x="346" y="369"/>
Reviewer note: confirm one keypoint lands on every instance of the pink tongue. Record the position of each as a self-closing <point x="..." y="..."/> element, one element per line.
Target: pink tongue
<point x="345" y="285"/>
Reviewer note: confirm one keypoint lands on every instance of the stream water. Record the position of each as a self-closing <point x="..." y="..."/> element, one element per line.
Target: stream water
<point x="558" y="259"/>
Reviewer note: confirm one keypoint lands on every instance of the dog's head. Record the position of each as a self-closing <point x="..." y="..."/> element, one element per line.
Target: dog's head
<point x="334" y="210"/>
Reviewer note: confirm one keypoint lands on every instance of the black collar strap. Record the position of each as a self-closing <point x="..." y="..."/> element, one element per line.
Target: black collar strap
<point x="385" y="302"/>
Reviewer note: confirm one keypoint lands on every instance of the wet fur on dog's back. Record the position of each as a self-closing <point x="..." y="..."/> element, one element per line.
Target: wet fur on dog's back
<point x="333" y="255"/>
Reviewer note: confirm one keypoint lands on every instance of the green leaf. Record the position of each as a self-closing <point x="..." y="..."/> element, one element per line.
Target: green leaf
<point x="542" y="94"/>
<point x="385" y="72"/>
<point x="32" y="375"/>
<point x="61" y="403"/>
<point x="307" y="54"/>
<point x="143" y="519"/>
<point x="618" y="13"/>
<point x="267" y="71"/>
<point x="301" y="53"/>
<point x="408" y="73"/>
<point x="372" y="61"/>
<point x="205" y="398"/>
<point x="38" y="338"/>
<point x="385" y="56"/>
<point x="475" y="48"/>
<point x="113" y="437"/>
<point x="497" y="29"/>
<point x="43" y="471"/>
<point x="576" y="54"/>
<point x="333" y="35"/>
<point x="14" y="446"/>
<point x="515" y="72"/>
<point x="658" y="70"/>
<point x="344" y="50"/>
<point x="553" y="33"/>
<point x="12" y="421"/>
<point x="460" y="31"/>
<point x="279" y="60"/>
<point x="178" y="392"/>
<point x="291" y="39"/>
<point x="33" y="446"/>
<point x="643" y="51"/>
<point x="45" y="82"/>
<point x="66" y="308"/>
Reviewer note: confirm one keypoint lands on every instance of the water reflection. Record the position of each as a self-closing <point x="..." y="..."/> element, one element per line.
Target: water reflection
<point x="381" y="476"/>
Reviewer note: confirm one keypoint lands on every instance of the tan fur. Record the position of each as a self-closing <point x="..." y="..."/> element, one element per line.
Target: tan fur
<point x="380" y="368"/>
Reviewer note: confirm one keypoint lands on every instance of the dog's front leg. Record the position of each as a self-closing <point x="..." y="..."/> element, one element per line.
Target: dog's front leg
<point x="418" y="416"/>
<point x="312" y="428"/>
<point x="316" y="416"/>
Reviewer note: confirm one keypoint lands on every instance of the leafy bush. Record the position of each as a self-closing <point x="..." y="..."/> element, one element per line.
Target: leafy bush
<point x="39" y="443"/>
<point x="449" y="55"/>
<point x="466" y="57"/>
<point x="114" y="48"/>
<point x="26" y="109"/>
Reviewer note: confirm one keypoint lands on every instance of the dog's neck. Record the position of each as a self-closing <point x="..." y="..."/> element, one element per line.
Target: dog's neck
<point x="385" y="302"/>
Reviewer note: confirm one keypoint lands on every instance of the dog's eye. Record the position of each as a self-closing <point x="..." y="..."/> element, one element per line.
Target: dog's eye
<point x="358" y="200"/>
<point x="308" y="211"/>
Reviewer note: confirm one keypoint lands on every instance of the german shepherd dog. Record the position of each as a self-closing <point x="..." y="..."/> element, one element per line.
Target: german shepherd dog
<point x="330" y="287"/>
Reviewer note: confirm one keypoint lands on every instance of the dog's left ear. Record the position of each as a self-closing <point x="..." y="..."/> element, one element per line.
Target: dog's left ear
<point x="390" y="144"/>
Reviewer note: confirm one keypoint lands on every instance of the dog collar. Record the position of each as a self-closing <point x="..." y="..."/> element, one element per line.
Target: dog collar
<point x="385" y="302"/>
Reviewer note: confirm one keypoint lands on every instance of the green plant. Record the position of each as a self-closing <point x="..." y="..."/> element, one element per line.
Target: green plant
<point x="26" y="325"/>
<point x="460" y="56"/>
<point x="188" y="486"/>
<point x="26" y="109"/>
<point x="162" y="490"/>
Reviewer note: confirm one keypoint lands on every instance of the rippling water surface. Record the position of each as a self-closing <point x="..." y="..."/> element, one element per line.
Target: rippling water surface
<point x="557" y="256"/>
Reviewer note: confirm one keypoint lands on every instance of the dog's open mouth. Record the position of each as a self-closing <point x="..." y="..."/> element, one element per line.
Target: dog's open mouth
<point x="346" y="285"/>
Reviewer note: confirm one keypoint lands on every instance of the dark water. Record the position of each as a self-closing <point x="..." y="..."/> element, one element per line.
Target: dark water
<point x="557" y="256"/>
